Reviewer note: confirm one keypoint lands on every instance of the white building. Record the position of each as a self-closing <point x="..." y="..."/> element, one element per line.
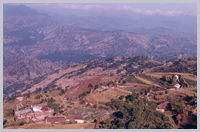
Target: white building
<point x="36" y="108"/>
<point x="177" y="85"/>
<point x="78" y="118"/>
<point x="176" y="76"/>
<point x="103" y="86"/>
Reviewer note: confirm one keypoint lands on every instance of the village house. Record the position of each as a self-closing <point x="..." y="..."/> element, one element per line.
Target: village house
<point x="177" y="85"/>
<point x="162" y="107"/>
<point x="171" y="88"/>
<point x="120" y="85"/>
<point x="78" y="118"/>
<point x="111" y="86"/>
<point x="176" y="77"/>
<point x="22" y="113"/>
<point x="54" y="119"/>
<point x="105" y="87"/>
<point x="101" y="89"/>
<point x="150" y="93"/>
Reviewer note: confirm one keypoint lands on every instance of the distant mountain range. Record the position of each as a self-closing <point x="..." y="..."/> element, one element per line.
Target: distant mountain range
<point x="35" y="43"/>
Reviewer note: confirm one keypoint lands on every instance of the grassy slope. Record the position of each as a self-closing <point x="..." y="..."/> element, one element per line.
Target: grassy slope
<point x="147" y="81"/>
<point x="106" y="96"/>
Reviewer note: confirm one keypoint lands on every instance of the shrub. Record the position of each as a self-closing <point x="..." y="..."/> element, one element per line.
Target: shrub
<point x="9" y="112"/>
<point x="167" y="126"/>
<point x="84" y="94"/>
<point x="69" y="106"/>
<point x="62" y="92"/>
<point x="165" y="118"/>
<point x="21" y="122"/>
<point x="121" y="97"/>
<point x="5" y="122"/>
<point x="178" y="108"/>
<point x="118" y="71"/>
<point x="37" y="96"/>
<point x="72" y="122"/>
<point x="90" y="85"/>
<point x="96" y="86"/>
<point x="41" y="101"/>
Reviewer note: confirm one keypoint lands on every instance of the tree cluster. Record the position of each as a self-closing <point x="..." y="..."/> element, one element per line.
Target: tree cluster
<point x="136" y="113"/>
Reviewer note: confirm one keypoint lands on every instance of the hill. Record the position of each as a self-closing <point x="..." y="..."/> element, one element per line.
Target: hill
<point x="42" y="37"/>
<point x="184" y="65"/>
<point x="77" y="72"/>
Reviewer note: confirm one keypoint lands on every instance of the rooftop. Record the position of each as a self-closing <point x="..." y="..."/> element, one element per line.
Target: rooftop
<point x="23" y="111"/>
<point x="44" y="108"/>
<point x="37" y="107"/>
<point x="55" y="119"/>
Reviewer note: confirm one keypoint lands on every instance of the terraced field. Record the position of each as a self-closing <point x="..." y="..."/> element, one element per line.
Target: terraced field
<point x="149" y="82"/>
<point x="133" y="79"/>
<point x="154" y="75"/>
<point x="90" y="114"/>
<point x="106" y="96"/>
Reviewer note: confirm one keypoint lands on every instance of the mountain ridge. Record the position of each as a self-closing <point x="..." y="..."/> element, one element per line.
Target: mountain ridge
<point x="40" y="37"/>
<point x="119" y="66"/>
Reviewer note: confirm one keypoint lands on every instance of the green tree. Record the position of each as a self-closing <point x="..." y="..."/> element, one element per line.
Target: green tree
<point x="132" y="97"/>
<point x="167" y="126"/>
<point x="178" y="108"/>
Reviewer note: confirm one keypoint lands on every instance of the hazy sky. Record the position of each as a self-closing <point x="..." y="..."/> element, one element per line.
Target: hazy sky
<point x="168" y="9"/>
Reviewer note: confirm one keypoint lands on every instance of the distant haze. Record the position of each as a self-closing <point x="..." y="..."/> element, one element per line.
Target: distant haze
<point x="181" y="17"/>
<point x="171" y="9"/>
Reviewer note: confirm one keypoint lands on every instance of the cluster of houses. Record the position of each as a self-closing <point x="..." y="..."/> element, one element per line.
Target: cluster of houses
<point x="37" y="113"/>
<point x="153" y="91"/>
<point x="34" y="113"/>
<point x="162" y="89"/>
